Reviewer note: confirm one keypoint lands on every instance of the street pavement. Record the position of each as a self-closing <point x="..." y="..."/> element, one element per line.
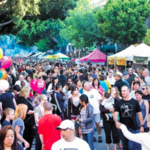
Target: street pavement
<point x="97" y="145"/>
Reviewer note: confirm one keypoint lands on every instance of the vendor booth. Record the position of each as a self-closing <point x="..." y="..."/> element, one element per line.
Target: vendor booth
<point x="58" y="56"/>
<point x="94" y="57"/>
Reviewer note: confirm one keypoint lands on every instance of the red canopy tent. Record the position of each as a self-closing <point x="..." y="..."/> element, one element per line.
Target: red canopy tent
<point x="95" y="56"/>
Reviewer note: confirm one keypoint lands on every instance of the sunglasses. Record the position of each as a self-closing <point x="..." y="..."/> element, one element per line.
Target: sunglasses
<point x="143" y="88"/>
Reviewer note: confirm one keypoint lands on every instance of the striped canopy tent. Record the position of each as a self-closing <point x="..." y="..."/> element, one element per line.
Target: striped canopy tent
<point x="62" y="56"/>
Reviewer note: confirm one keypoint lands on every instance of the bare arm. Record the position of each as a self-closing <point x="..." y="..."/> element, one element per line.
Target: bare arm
<point x="30" y="112"/>
<point x="1" y="110"/>
<point x="147" y="110"/>
<point x="141" y="121"/>
<point x="17" y="129"/>
<point x="36" y="116"/>
<point x="14" y="101"/>
<point x="41" y="138"/>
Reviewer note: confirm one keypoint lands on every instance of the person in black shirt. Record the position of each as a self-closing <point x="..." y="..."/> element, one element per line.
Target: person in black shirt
<point x="62" y="79"/>
<point x="57" y="99"/>
<point x="127" y="108"/>
<point x="29" y="121"/>
<point x="119" y="83"/>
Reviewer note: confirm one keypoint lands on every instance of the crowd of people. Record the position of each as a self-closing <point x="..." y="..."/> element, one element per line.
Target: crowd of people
<point x="78" y="100"/>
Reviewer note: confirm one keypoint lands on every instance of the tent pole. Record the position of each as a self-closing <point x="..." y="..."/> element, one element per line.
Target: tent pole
<point x="107" y="64"/>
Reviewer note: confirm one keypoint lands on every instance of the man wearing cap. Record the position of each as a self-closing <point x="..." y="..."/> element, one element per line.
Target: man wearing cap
<point x="136" y="87"/>
<point x="125" y="78"/>
<point x="69" y="141"/>
<point x="119" y="83"/>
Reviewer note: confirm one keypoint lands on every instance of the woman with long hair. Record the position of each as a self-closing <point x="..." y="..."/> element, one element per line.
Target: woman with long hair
<point x="96" y="85"/>
<point x="8" y="139"/>
<point x="52" y="85"/>
<point x="38" y="113"/>
<point x="29" y="121"/>
<point x="142" y="82"/>
<point x="78" y="84"/>
<point x="74" y="106"/>
<point x="146" y="94"/>
<point x="111" y="132"/>
<point x="86" y="118"/>
<point x="18" y="124"/>
<point x="144" y="109"/>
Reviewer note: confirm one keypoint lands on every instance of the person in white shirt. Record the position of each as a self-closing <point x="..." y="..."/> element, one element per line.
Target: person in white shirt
<point x="147" y="78"/>
<point x="94" y="100"/>
<point x="21" y="78"/>
<point x="141" y="138"/>
<point x="111" y="78"/>
<point x="69" y="141"/>
<point x="136" y="87"/>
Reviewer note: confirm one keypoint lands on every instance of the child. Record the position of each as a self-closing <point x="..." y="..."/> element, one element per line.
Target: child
<point x="108" y="103"/>
<point x="9" y="113"/>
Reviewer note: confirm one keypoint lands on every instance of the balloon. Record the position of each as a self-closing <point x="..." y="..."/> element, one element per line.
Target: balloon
<point x="6" y="62"/>
<point x="0" y="64"/>
<point x="1" y="53"/>
<point x="32" y="84"/>
<point x="4" y="74"/>
<point x="4" y="85"/>
<point x="1" y="74"/>
<point x="40" y="86"/>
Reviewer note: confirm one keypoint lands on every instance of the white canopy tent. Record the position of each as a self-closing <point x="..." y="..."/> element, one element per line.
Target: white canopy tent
<point x="128" y="53"/>
<point x="142" y="50"/>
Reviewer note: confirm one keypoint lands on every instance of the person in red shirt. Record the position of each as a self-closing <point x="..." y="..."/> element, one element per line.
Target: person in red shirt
<point x="47" y="127"/>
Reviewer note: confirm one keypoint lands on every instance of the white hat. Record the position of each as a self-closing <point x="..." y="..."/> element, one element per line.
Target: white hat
<point x="66" y="124"/>
<point x="119" y="74"/>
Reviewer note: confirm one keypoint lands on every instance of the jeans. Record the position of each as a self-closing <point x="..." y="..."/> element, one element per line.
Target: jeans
<point x="127" y="144"/>
<point x="89" y="139"/>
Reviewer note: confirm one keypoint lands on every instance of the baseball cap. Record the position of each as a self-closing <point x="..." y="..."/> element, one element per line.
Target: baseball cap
<point x="138" y="82"/>
<point x="125" y="73"/>
<point x="66" y="124"/>
<point x="119" y="74"/>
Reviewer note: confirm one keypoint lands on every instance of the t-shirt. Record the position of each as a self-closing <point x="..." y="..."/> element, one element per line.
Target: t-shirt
<point x="127" y="112"/>
<point x="77" y="144"/>
<point x="40" y="113"/>
<point x="147" y="80"/>
<point x="7" y="100"/>
<point x="47" y="127"/>
<point x="19" y="122"/>
<point x="94" y="97"/>
<point x="5" y="123"/>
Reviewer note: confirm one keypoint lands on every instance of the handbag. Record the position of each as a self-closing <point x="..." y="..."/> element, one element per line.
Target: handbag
<point x="77" y="124"/>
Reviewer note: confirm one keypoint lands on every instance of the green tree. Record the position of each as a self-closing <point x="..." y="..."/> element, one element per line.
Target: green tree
<point x="123" y="21"/>
<point x="80" y="28"/>
<point x="14" y="13"/>
<point x="147" y="37"/>
<point x="44" y="34"/>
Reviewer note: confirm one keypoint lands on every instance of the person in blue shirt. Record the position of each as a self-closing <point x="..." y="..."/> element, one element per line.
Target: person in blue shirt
<point x="9" y="113"/>
<point x="103" y="83"/>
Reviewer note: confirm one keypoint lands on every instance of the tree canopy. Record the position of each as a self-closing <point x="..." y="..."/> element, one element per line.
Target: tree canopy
<point x="14" y="12"/>
<point x="80" y="28"/>
<point x="123" y="21"/>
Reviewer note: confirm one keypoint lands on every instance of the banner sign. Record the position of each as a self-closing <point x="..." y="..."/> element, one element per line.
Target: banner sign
<point x="121" y="61"/>
<point x="140" y="60"/>
<point x="52" y="56"/>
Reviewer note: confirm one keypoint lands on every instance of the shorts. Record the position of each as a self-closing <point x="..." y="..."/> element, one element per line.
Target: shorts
<point x="97" y="118"/>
